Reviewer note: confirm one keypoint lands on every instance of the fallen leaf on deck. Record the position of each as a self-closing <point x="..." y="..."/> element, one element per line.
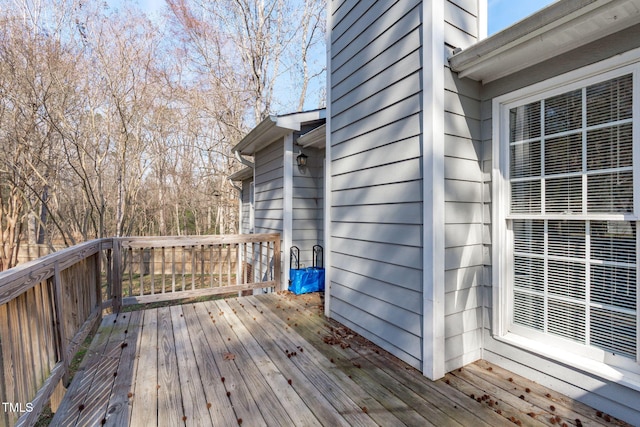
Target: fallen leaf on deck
<point x="229" y="356"/>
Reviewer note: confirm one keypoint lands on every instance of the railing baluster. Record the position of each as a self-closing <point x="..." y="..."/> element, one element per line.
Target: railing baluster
<point x="152" y="263"/>
<point x="260" y="262"/>
<point x="220" y="264"/>
<point x="228" y="265"/>
<point x="245" y="265"/>
<point x="194" y="267"/>
<point x="211" y="266"/>
<point x="173" y="269"/>
<point x="109" y="268"/>
<point x="130" y="251"/>
<point x="141" y="271"/>
<point x="163" y="271"/>
<point x="202" y="282"/>
<point x="35" y="334"/>
<point x="8" y="376"/>
<point x="47" y="326"/>
<point x="277" y="264"/>
<point x="117" y="276"/>
<point x="19" y="352"/>
<point x="183" y="272"/>
<point x="57" y="286"/>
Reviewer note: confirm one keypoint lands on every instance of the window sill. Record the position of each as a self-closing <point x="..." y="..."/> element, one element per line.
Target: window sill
<point x="601" y="370"/>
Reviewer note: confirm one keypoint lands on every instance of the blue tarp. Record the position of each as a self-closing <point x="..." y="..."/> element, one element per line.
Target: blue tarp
<point x="305" y="280"/>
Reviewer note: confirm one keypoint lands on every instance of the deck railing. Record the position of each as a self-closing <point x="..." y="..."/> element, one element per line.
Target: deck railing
<point x="49" y="306"/>
<point x="160" y="268"/>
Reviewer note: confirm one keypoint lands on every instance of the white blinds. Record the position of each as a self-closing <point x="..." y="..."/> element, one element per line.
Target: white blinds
<point x="571" y="158"/>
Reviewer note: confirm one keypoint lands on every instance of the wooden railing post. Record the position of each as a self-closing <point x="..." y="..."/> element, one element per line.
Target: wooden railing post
<point x="116" y="286"/>
<point x="109" y="270"/>
<point x="277" y="264"/>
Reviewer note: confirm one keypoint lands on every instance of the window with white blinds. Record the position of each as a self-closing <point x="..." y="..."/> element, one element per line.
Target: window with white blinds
<point x="573" y="260"/>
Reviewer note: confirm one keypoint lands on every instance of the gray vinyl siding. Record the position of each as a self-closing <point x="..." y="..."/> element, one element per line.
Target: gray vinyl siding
<point x="246" y="207"/>
<point x="463" y="197"/>
<point x="611" y="397"/>
<point x="269" y="193"/>
<point x="308" y="205"/>
<point x="376" y="182"/>
<point x="269" y="188"/>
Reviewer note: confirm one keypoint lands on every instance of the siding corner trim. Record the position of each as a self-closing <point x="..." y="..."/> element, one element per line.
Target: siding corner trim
<point x="433" y="338"/>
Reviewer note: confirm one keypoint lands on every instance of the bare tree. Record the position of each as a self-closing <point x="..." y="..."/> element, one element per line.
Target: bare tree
<point x="113" y="125"/>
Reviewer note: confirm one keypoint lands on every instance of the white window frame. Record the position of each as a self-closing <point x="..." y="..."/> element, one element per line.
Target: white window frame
<point x="592" y="360"/>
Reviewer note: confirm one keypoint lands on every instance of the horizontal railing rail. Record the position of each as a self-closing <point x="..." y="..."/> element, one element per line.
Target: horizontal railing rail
<point x="50" y="305"/>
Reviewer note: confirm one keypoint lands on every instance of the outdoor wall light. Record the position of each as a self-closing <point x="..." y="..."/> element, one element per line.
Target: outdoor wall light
<point x="302" y="159"/>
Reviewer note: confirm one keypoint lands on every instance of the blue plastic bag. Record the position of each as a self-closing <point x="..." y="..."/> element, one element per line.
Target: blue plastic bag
<point x="305" y="280"/>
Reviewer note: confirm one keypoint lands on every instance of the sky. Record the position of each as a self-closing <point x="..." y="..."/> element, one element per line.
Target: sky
<point x="503" y="13"/>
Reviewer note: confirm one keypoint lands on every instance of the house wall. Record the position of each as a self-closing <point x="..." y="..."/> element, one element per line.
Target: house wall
<point x="269" y="191"/>
<point x="463" y="195"/>
<point x="246" y="207"/>
<point x="377" y="206"/>
<point x="308" y="205"/>
<point x="269" y="194"/>
<point x="609" y="396"/>
<point x="376" y="176"/>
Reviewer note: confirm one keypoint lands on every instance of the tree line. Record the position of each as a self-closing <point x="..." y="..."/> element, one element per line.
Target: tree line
<point x="114" y="123"/>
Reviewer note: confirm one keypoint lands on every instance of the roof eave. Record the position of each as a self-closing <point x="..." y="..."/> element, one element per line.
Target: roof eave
<point x="274" y="127"/>
<point x="558" y="28"/>
<point x="315" y="138"/>
<point x="242" y="174"/>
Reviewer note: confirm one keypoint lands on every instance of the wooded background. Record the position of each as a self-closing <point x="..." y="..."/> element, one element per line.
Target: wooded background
<point x="113" y="123"/>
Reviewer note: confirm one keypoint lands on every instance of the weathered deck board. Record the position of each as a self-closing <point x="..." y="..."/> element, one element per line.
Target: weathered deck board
<point x="86" y="399"/>
<point x="169" y="399"/>
<point x="430" y="403"/>
<point x="144" y="408"/>
<point x="238" y="396"/>
<point x="194" y="402"/>
<point x="329" y="403"/>
<point x="262" y="394"/>
<point x="222" y="412"/>
<point x="365" y="402"/>
<point x="275" y="360"/>
<point x="117" y="412"/>
<point x="272" y="381"/>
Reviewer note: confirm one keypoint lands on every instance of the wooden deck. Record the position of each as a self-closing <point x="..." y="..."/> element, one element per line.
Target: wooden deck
<point x="275" y="360"/>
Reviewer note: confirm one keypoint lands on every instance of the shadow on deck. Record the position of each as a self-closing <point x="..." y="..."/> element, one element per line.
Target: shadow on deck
<point x="276" y="360"/>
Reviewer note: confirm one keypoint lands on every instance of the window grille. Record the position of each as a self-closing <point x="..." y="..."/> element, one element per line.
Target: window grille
<point x="571" y="217"/>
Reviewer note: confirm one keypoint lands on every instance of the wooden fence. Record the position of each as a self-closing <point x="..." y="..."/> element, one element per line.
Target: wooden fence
<point x="49" y="306"/>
